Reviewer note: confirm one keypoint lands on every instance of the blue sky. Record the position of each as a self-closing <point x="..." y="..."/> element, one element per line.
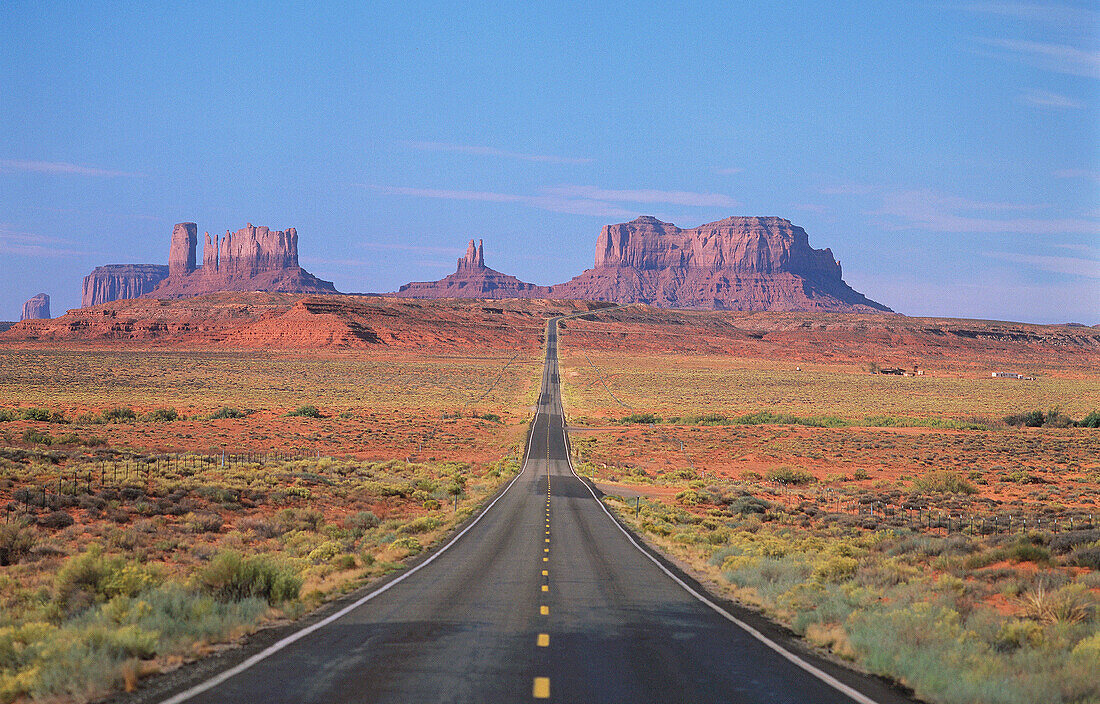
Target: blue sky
<point x="948" y="153"/>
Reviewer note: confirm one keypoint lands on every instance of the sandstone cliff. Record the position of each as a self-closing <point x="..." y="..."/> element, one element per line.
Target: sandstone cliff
<point x="250" y="259"/>
<point x="37" y="308"/>
<point x="739" y="263"/>
<point x="119" y="281"/>
<point x="473" y="279"/>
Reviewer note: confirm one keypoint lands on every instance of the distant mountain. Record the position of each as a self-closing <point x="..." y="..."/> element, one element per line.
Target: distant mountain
<point x="740" y="263"/>
<point x="473" y="279"/>
<point x="251" y="259"/>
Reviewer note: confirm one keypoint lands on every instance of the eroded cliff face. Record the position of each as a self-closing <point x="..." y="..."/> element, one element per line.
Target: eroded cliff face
<point x="739" y="263"/>
<point x="36" y="308"/>
<point x="472" y="279"/>
<point x="120" y="281"/>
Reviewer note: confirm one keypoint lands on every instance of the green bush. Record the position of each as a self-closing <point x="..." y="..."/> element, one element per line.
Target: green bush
<point x="1092" y="420"/>
<point x="16" y="541"/>
<point x="122" y="414"/>
<point x="34" y="436"/>
<point x="408" y="543"/>
<point x="227" y="412"/>
<point x="164" y="415"/>
<point x="642" y="418"/>
<point x="744" y="505"/>
<point x="790" y="475"/>
<point x="232" y="577"/>
<point x="1031" y="419"/>
<point x="91" y="577"/>
<point x="305" y="412"/>
<point x="6" y="415"/>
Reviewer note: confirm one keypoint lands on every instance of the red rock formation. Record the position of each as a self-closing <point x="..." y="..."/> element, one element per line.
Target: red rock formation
<point x="251" y="259"/>
<point x="37" y="308"/>
<point x="181" y="252"/>
<point x="119" y="281"/>
<point x="473" y="279"/>
<point x="740" y="263"/>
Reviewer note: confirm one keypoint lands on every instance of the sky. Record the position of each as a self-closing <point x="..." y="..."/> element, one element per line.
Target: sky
<point x="947" y="152"/>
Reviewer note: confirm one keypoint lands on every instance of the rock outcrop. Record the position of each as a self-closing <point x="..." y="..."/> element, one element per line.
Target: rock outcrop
<point x="120" y="281"/>
<point x="37" y="308"/>
<point x="250" y="259"/>
<point x="473" y="279"/>
<point x="740" y="263"/>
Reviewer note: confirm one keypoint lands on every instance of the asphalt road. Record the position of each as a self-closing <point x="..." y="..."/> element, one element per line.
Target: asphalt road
<point x="544" y="597"/>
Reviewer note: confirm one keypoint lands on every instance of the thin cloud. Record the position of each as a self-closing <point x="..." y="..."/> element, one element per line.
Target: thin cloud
<point x="936" y="212"/>
<point x="1046" y="99"/>
<point x="494" y="152"/>
<point x="716" y="200"/>
<point x="59" y="168"/>
<point x="1054" y="15"/>
<point x="1060" y="58"/>
<point x="1059" y="265"/>
<point x="35" y="245"/>
<point x="574" y="200"/>
<point x="1089" y="174"/>
<point x="811" y="208"/>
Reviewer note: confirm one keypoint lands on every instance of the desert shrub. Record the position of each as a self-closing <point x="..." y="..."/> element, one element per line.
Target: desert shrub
<point x="324" y="552"/>
<point x="56" y="520"/>
<point x="203" y="522"/>
<point x="491" y="417"/>
<point x="34" y="436"/>
<point x="121" y="414"/>
<point x="1026" y="551"/>
<point x="1086" y="556"/>
<point x="836" y="568"/>
<point x="789" y="475"/>
<point x="362" y="521"/>
<point x="91" y="576"/>
<point x="300" y="519"/>
<point x="42" y="414"/>
<point x="944" y="481"/>
<point x="744" y="505"/>
<point x="1070" y="604"/>
<point x="1031" y="419"/>
<point x="6" y="415"/>
<point x="262" y="527"/>
<point x="641" y="418"/>
<point x="420" y="525"/>
<point x="1067" y="541"/>
<point x="1092" y="420"/>
<point x="232" y="577"/>
<point x="164" y="415"/>
<point x="305" y="412"/>
<point x="16" y="541"/>
<point x="409" y="543"/>
<point x="228" y="412"/>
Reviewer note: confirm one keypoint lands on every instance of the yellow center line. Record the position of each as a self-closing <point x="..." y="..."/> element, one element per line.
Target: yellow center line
<point x="546" y="573"/>
<point x="546" y="559"/>
<point x="543" y="640"/>
<point x="541" y="688"/>
<point x="546" y="587"/>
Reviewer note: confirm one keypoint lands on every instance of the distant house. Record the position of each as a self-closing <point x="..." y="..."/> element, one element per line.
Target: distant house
<point x="898" y="371"/>
<point x="1012" y="375"/>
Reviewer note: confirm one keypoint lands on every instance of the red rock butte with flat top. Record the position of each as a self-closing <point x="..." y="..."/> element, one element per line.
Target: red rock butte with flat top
<point x="740" y="263"/>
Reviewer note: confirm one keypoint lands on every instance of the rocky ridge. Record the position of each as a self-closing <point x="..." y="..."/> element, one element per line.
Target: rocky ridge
<point x="251" y="259"/>
<point x="115" y="282"/>
<point x="739" y="263"/>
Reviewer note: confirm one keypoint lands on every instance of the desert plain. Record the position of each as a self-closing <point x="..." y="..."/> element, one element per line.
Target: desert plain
<point x="175" y="475"/>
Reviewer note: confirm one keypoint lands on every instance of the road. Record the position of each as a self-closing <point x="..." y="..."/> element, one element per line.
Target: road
<point x="544" y="597"/>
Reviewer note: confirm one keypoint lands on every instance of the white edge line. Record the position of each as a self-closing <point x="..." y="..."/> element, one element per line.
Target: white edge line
<point x="815" y="671"/>
<point x="297" y="635"/>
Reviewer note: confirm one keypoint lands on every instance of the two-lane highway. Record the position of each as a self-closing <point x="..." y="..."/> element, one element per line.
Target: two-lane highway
<point x="543" y="597"/>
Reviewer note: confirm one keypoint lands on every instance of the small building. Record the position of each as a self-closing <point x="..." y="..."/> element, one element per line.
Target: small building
<point x="1012" y="375"/>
